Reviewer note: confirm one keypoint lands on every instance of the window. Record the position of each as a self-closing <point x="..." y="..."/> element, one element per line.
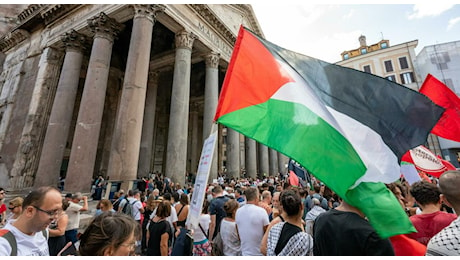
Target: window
<point x="403" y="63"/>
<point x="346" y="57"/>
<point x="407" y="78"/>
<point x="449" y="83"/>
<point x="391" y="78"/>
<point x="363" y="51"/>
<point x="367" y="69"/>
<point x="383" y="45"/>
<point x="388" y="66"/>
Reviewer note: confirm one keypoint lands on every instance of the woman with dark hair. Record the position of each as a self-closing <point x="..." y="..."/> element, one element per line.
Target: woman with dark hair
<point x="228" y="231"/>
<point x="56" y="240"/>
<point x="289" y="238"/>
<point x="159" y="232"/>
<point x="110" y="234"/>
<point x="182" y="210"/>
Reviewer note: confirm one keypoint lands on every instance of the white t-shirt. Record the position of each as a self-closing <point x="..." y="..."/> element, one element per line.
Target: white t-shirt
<point x="34" y="245"/>
<point x="230" y="239"/>
<point x="136" y="214"/>
<point x="204" y="221"/>
<point x="250" y="220"/>
<point x="73" y="211"/>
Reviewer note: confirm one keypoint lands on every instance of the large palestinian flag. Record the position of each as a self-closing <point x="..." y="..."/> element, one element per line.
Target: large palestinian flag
<point x="346" y="127"/>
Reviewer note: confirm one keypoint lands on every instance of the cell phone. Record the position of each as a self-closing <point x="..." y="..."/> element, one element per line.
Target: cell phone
<point x="70" y="250"/>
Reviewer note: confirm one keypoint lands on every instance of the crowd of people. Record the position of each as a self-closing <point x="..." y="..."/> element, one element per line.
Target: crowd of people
<point x="239" y="217"/>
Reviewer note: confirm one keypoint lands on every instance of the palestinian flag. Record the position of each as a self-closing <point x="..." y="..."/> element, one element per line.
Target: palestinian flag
<point x="346" y="127"/>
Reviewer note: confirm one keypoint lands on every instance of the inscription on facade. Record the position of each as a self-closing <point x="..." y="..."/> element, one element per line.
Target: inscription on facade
<point x="223" y="48"/>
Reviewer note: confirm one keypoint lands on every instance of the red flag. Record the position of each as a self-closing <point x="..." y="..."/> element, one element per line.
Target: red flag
<point x="293" y="179"/>
<point x="448" y="125"/>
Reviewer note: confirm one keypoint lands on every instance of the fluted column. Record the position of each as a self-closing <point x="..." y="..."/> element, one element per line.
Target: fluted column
<point x="263" y="160"/>
<point x="145" y="152"/>
<point x="251" y="157"/>
<point x="85" y="140"/>
<point x="273" y="162"/>
<point x="194" y="149"/>
<point x="176" y="153"/>
<point x="282" y="161"/>
<point x="233" y="153"/>
<point x="126" y="140"/>
<point x="211" y="96"/>
<point x="61" y="114"/>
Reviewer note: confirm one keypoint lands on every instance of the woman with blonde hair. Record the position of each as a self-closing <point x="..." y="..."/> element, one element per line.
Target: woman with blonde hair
<point x="228" y="231"/>
<point x="15" y="206"/>
<point x="110" y="234"/>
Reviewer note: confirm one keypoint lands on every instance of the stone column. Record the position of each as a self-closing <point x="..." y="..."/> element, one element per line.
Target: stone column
<point x="282" y="161"/>
<point x="176" y="152"/>
<point x="61" y="114"/>
<point x="273" y="162"/>
<point x="126" y="140"/>
<point x="23" y="173"/>
<point x="194" y="146"/>
<point x="145" y="152"/>
<point x="85" y="140"/>
<point x="263" y="160"/>
<point x="211" y="96"/>
<point x="251" y="157"/>
<point x="233" y="153"/>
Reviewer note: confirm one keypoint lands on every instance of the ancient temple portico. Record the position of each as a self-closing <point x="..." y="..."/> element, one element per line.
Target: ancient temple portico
<point x="119" y="91"/>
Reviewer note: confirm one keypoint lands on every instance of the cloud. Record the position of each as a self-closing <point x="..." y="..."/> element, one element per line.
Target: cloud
<point x="453" y="22"/>
<point x="427" y="10"/>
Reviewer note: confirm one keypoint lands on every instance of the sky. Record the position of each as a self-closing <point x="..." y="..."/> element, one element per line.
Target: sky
<point x="324" y="31"/>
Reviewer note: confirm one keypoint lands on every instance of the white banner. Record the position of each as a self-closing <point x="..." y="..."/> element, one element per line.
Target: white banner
<point x="201" y="181"/>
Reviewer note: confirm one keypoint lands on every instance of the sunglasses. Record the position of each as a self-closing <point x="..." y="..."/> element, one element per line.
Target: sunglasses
<point x="11" y="208"/>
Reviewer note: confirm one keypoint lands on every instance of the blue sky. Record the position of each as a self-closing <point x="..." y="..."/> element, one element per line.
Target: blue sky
<point x="326" y="30"/>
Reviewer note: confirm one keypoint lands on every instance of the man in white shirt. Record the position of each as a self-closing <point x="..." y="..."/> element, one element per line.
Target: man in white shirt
<point x="39" y="209"/>
<point x="251" y="222"/>
<point x="73" y="211"/>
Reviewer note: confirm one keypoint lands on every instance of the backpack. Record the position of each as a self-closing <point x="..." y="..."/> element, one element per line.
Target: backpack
<point x="183" y="244"/>
<point x="128" y="208"/>
<point x="8" y="235"/>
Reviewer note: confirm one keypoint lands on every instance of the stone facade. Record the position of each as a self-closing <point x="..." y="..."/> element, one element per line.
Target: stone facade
<point x="117" y="90"/>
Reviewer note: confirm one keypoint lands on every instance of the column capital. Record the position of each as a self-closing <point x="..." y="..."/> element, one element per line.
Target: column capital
<point x="74" y="41"/>
<point x="212" y="59"/>
<point x="148" y="11"/>
<point x="104" y="26"/>
<point x="185" y="39"/>
<point x="154" y="76"/>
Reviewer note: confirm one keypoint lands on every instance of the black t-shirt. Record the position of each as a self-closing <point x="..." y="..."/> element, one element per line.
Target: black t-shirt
<point x="286" y="233"/>
<point x="347" y="234"/>
<point x="156" y="229"/>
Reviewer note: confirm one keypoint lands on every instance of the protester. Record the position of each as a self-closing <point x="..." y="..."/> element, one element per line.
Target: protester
<point x="345" y="231"/>
<point x="40" y="207"/>
<point x="2" y="207"/>
<point x="15" y="206"/>
<point x="159" y="231"/>
<point x="275" y="206"/>
<point x="56" y="240"/>
<point x="251" y="221"/>
<point x="432" y="219"/>
<point x="182" y="210"/>
<point x="447" y="241"/>
<point x="110" y="234"/>
<point x="216" y="210"/>
<point x="289" y="238"/>
<point x="312" y="215"/>
<point x="73" y="211"/>
<point x="150" y="205"/>
<point x="228" y="231"/>
<point x="201" y="243"/>
<point x="266" y="201"/>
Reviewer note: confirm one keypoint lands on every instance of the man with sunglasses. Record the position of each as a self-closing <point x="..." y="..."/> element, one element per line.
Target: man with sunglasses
<point x="30" y="230"/>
